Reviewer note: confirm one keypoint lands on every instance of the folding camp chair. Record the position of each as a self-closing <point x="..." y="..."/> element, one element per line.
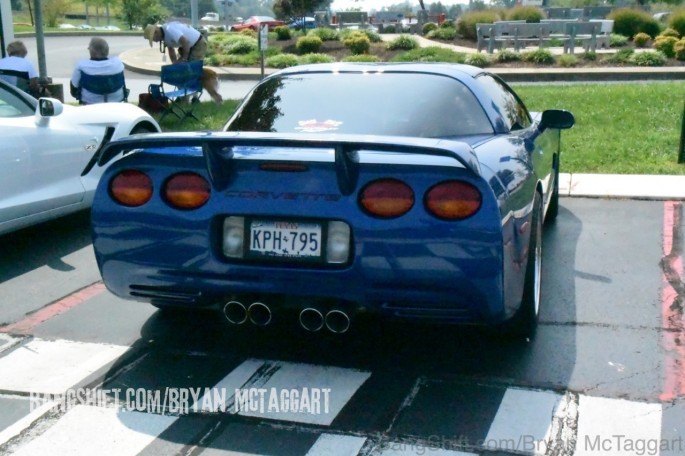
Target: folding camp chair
<point x="103" y="85"/>
<point x="187" y="80"/>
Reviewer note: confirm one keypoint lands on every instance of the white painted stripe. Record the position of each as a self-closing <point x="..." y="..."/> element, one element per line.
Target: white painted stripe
<point x="523" y="421"/>
<point x="233" y="381"/>
<point x="616" y="426"/>
<point x="102" y="431"/>
<point x="18" y="426"/>
<point x="286" y="385"/>
<point x="53" y="366"/>
<point x="336" y="445"/>
<point x="417" y="449"/>
<point x="7" y="341"/>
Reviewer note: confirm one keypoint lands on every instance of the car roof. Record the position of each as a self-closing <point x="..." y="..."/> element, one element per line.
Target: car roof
<point x="455" y="70"/>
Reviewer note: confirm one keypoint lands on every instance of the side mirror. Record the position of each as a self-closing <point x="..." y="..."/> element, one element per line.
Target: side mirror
<point x="556" y="118"/>
<point x="49" y="107"/>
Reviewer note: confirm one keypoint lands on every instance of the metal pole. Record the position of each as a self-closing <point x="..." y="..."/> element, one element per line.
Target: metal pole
<point x="40" y="40"/>
<point x="681" y="151"/>
<point x="194" y="18"/>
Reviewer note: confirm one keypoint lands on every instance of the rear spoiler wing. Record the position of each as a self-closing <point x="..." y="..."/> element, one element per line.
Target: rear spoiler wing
<point x="217" y="149"/>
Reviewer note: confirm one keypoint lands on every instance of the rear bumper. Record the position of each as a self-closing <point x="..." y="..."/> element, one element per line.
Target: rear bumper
<point x="442" y="297"/>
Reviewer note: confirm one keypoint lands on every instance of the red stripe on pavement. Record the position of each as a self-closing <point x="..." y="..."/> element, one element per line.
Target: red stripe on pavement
<point x="672" y="315"/>
<point x="26" y="325"/>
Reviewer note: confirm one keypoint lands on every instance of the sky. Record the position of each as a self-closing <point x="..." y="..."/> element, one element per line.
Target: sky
<point x="378" y="4"/>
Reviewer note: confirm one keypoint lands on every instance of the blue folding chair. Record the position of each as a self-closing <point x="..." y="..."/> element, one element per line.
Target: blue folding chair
<point x="186" y="78"/>
<point x="103" y="85"/>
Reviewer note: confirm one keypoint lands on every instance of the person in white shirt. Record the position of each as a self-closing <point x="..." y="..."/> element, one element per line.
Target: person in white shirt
<point x="99" y="63"/>
<point x="182" y="42"/>
<point x="16" y="61"/>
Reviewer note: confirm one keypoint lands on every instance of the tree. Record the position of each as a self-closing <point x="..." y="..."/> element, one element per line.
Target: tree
<point x="53" y="10"/>
<point x="141" y="12"/>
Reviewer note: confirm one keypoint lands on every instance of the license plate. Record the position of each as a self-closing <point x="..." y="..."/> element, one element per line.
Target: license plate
<point x="285" y="239"/>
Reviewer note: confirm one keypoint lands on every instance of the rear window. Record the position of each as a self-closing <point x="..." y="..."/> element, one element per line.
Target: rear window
<point x="402" y="104"/>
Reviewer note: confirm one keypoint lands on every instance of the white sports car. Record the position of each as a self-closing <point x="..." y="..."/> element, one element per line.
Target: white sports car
<point x="49" y="150"/>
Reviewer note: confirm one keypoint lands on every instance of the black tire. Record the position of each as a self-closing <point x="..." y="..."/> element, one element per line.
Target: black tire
<point x="524" y="323"/>
<point x="142" y="128"/>
<point x="553" y="209"/>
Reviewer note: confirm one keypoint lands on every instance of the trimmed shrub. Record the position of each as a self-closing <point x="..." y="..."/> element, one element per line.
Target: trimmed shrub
<point x="466" y="27"/>
<point x="506" y="55"/>
<point x="357" y="43"/>
<point x="527" y="13"/>
<point x="242" y="45"/>
<point x="445" y="34"/>
<point x="250" y="59"/>
<point x="629" y="22"/>
<point x="389" y="29"/>
<point x="567" y="60"/>
<point x="367" y="58"/>
<point x="589" y="56"/>
<point x="404" y="42"/>
<point x="479" y="59"/>
<point x="308" y="44"/>
<point x="649" y="58"/>
<point x="679" y="50"/>
<point x="428" y="27"/>
<point x="249" y="33"/>
<point x="282" y="61"/>
<point x="539" y="57"/>
<point x="316" y="58"/>
<point x="326" y="34"/>
<point x="283" y="33"/>
<point x="670" y="32"/>
<point x="677" y="22"/>
<point x="431" y="54"/>
<point x="665" y="44"/>
<point x="372" y="35"/>
<point x="617" y="41"/>
<point x="641" y="39"/>
<point x="622" y="56"/>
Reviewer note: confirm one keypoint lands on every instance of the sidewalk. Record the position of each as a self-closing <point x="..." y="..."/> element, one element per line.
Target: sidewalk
<point x="622" y="186"/>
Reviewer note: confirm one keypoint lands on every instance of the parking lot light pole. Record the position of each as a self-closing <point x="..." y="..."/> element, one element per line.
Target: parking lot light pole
<point x="40" y="40"/>
<point x="681" y="151"/>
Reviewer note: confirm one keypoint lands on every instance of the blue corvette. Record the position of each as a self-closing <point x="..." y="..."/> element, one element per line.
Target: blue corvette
<point x="411" y="191"/>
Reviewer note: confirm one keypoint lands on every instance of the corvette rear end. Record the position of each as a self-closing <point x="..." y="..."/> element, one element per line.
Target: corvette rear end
<point x="256" y="224"/>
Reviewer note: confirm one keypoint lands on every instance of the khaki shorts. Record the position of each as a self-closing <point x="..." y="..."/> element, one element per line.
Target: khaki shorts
<point x="199" y="50"/>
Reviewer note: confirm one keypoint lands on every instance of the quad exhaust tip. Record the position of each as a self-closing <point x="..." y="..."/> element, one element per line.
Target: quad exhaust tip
<point x="337" y="321"/>
<point x="235" y="312"/>
<point x="259" y="313"/>
<point x="311" y="319"/>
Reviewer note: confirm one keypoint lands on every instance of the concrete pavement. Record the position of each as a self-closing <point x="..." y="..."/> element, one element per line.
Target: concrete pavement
<point x="147" y="60"/>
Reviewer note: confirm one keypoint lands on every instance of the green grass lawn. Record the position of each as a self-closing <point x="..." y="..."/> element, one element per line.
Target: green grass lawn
<point x="627" y="128"/>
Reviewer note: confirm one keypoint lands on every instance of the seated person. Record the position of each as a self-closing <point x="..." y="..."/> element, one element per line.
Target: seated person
<point x="99" y="64"/>
<point x="16" y="61"/>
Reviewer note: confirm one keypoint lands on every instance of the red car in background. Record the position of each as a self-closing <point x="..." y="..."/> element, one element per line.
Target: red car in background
<point x="254" y="22"/>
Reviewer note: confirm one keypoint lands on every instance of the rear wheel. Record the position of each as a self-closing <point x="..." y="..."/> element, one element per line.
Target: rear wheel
<point x="525" y="321"/>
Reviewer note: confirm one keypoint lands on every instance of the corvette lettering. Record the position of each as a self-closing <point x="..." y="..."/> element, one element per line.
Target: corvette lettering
<point x="289" y="196"/>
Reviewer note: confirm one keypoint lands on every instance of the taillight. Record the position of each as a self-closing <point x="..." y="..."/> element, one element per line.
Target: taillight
<point x="131" y="188"/>
<point x="453" y="200"/>
<point x="386" y="198"/>
<point x="186" y="191"/>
